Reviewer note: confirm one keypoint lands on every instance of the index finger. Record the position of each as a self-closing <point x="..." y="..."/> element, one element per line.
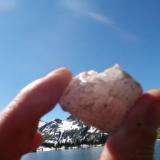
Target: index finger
<point x="40" y="96"/>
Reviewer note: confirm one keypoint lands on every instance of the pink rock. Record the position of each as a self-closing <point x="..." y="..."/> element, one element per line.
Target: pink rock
<point x="101" y="99"/>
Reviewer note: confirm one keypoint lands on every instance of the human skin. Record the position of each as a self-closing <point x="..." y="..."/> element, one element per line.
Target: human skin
<point x="19" y="121"/>
<point x="136" y="138"/>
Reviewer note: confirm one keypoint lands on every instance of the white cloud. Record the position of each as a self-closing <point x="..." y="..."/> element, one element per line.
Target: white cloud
<point x="83" y="8"/>
<point x="76" y="5"/>
<point x="101" y="18"/>
<point x="111" y="24"/>
<point x="128" y="36"/>
<point x="7" y="5"/>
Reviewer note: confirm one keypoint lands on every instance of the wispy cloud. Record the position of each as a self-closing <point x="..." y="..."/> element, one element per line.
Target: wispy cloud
<point x="7" y="5"/>
<point x="101" y="18"/>
<point x="80" y="6"/>
<point x="111" y="24"/>
<point x="83" y="8"/>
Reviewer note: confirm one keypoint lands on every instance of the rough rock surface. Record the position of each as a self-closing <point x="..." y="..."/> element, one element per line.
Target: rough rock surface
<point x="101" y="99"/>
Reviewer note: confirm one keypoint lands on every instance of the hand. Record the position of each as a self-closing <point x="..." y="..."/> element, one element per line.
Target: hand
<point x="19" y="121"/>
<point x="135" y="139"/>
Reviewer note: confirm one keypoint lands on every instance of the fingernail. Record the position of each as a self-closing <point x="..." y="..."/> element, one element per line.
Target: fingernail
<point x="61" y="71"/>
<point x="155" y="93"/>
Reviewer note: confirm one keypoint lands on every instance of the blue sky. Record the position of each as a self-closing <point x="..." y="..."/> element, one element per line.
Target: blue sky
<point x="41" y="35"/>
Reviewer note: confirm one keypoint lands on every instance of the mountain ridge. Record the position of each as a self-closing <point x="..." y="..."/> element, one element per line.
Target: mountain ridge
<point x="71" y="132"/>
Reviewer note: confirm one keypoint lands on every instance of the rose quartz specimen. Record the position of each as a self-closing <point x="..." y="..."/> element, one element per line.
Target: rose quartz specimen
<point x="101" y="99"/>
